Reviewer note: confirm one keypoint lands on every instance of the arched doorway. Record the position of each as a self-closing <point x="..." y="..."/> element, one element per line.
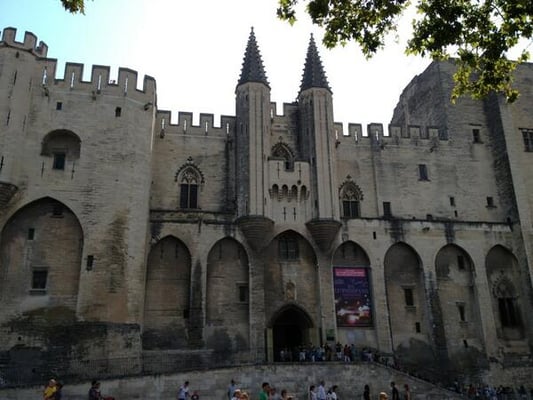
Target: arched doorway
<point x="291" y="327"/>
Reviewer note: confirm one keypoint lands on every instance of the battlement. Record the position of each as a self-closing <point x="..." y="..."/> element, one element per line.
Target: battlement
<point x="101" y="80"/>
<point x="29" y="44"/>
<point x="185" y="126"/>
<point x="394" y="135"/>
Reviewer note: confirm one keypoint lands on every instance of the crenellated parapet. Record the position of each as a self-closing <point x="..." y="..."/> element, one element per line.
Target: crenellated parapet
<point x="376" y="134"/>
<point x="101" y="82"/>
<point x="185" y="126"/>
<point x="29" y="44"/>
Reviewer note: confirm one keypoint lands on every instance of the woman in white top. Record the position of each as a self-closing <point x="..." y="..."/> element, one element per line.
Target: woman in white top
<point x="312" y="393"/>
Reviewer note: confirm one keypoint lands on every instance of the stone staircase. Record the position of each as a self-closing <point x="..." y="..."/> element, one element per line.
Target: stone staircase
<point x="294" y="377"/>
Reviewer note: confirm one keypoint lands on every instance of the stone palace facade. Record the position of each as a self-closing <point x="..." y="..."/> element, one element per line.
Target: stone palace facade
<point x="130" y="244"/>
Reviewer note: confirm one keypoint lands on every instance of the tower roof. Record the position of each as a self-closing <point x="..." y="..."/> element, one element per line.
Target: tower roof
<point x="314" y="75"/>
<point x="252" y="65"/>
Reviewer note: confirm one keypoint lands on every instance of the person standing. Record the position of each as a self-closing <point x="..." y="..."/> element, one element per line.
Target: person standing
<point x="94" y="391"/>
<point x="58" y="394"/>
<point x="333" y="394"/>
<point x="406" y="392"/>
<point x="366" y="393"/>
<point x="231" y="389"/>
<point x="312" y="393"/>
<point x="265" y="392"/>
<point x="183" y="391"/>
<point x="321" y="394"/>
<point x="394" y="391"/>
<point x="50" y="390"/>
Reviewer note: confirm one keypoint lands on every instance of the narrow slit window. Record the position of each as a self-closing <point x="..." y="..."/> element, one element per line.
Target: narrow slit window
<point x="387" y="211"/>
<point x="476" y="136"/>
<point x="409" y="297"/>
<point x="527" y="135"/>
<point x="462" y="314"/>
<point x="423" y="172"/>
<point x="118" y="112"/>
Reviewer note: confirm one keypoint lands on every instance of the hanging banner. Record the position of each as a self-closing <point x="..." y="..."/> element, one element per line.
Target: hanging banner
<point x="352" y="296"/>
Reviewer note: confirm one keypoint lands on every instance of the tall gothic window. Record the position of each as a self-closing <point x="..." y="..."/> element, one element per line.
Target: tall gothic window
<point x="351" y="197"/>
<point x="190" y="178"/>
<point x="507" y="305"/>
<point x="189" y="189"/>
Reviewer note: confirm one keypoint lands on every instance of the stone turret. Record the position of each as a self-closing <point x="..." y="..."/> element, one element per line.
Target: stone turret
<point x="252" y="145"/>
<point x="317" y="138"/>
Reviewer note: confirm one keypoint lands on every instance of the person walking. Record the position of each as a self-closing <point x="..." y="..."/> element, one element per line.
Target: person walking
<point x="183" y="391"/>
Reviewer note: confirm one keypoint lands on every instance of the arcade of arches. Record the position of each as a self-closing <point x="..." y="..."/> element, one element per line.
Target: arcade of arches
<point x="424" y="313"/>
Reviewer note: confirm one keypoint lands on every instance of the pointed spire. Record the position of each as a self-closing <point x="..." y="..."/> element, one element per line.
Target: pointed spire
<point x="314" y="75"/>
<point x="252" y="65"/>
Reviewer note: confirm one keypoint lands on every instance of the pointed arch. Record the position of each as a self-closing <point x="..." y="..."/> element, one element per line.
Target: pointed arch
<point x="350" y="253"/>
<point x="41" y="248"/>
<point x="350" y="195"/>
<point x="282" y="151"/>
<point x="303" y="316"/>
<point x="63" y="145"/>
<point x="456" y="306"/>
<point x="166" y="305"/>
<point x="190" y="180"/>
<point x="292" y="326"/>
<point x="290" y="274"/>
<point x="351" y="267"/>
<point x="227" y="282"/>
<point x="227" y="295"/>
<point x="504" y="278"/>
<point x="404" y="285"/>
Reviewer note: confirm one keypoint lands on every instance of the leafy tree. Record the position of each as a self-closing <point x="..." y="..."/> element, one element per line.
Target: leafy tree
<point x="478" y="34"/>
<point x="74" y="6"/>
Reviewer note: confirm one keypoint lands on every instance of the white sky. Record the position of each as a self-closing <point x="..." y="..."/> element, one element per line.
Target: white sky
<point x="194" y="49"/>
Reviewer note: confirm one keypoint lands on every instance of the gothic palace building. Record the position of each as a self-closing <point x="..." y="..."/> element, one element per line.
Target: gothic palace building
<point x="131" y="242"/>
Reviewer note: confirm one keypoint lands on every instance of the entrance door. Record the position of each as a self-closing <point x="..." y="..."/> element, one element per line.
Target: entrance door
<point x="290" y="331"/>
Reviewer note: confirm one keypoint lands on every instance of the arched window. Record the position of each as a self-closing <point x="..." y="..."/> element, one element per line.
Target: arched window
<point x="282" y="151"/>
<point x="505" y="292"/>
<point x="189" y="178"/>
<point x="288" y="247"/>
<point x="351" y="197"/>
<point x="62" y="145"/>
<point x="189" y="189"/>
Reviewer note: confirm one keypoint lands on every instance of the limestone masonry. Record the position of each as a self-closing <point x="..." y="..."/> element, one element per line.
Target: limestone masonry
<point x="133" y="245"/>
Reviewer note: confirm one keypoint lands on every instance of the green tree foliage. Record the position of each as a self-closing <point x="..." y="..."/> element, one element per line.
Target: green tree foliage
<point x="74" y="6"/>
<point x="477" y="34"/>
